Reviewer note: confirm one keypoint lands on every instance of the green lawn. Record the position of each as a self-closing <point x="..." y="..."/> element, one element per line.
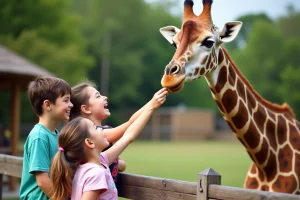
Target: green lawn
<point x="184" y="160"/>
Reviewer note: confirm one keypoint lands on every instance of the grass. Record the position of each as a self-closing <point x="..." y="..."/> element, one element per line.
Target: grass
<point x="184" y="160"/>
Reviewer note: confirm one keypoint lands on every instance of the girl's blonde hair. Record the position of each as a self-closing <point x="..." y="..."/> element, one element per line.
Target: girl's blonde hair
<point x="71" y="154"/>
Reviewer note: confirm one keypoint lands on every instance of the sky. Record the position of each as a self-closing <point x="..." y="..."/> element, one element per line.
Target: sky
<point x="228" y="10"/>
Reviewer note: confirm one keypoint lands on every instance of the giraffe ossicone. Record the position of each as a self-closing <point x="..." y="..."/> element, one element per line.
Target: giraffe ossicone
<point x="269" y="132"/>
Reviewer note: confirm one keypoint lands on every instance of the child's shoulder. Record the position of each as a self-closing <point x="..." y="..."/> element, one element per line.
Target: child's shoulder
<point x="39" y="132"/>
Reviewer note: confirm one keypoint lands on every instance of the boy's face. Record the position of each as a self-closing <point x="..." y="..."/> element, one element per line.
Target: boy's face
<point x="62" y="107"/>
<point x="97" y="104"/>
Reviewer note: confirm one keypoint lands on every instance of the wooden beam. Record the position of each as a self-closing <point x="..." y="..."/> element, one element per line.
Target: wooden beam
<point x="15" y="124"/>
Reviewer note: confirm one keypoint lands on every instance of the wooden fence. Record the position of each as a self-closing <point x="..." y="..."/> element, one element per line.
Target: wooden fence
<point x="139" y="187"/>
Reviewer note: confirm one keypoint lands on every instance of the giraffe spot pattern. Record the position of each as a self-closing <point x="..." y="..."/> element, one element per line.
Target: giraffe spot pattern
<point x="264" y="188"/>
<point x="252" y="136"/>
<point x="232" y="76"/>
<point x="285" y="159"/>
<point x="221" y="57"/>
<point x="250" y="100"/>
<point x="222" y="79"/>
<point x="196" y="71"/>
<point x="240" y="119"/>
<point x="271" y="168"/>
<point x="202" y="71"/>
<point x="294" y="137"/>
<point x="271" y="134"/>
<point x="219" y="106"/>
<point x="240" y="89"/>
<point x="281" y="130"/>
<point x="260" y="117"/>
<point x="262" y="154"/>
<point x="252" y="183"/>
<point x="285" y="184"/>
<point x="297" y="165"/>
<point x="204" y="60"/>
<point x="229" y="100"/>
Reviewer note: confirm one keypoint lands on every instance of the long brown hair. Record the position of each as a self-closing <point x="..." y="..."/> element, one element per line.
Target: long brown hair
<point x="71" y="142"/>
<point x="80" y="97"/>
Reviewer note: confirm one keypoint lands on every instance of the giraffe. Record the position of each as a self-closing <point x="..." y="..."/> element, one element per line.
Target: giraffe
<point x="269" y="132"/>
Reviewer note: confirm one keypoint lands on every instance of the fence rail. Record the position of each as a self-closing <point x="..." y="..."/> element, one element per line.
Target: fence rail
<point x="133" y="186"/>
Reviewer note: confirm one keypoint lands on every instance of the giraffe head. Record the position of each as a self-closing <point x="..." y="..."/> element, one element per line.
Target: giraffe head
<point x="197" y="46"/>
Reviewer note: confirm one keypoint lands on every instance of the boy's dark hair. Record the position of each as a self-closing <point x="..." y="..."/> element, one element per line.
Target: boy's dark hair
<point x="80" y="97"/>
<point x="46" y="88"/>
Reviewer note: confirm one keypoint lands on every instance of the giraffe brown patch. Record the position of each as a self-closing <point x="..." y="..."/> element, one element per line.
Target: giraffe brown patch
<point x="253" y="169"/>
<point x="222" y="79"/>
<point x="259" y="118"/>
<point x="281" y="130"/>
<point x="262" y="154"/>
<point x="229" y="100"/>
<point x="251" y="102"/>
<point x="208" y="62"/>
<point x="285" y="159"/>
<point x="241" y="117"/>
<point x="212" y="90"/>
<point x="286" y="184"/>
<point x="294" y="137"/>
<point x="219" y="106"/>
<point x="211" y="65"/>
<point x="252" y="136"/>
<point x="271" y="115"/>
<point x="196" y="71"/>
<point x="297" y="165"/>
<point x="202" y="71"/>
<point x="265" y="188"/>
<point x="242" y="141"/>
<point x="271" y="167"/>
<point x="204" y="60"/>
<point x="251" y="183"/>
<point x="232" y="75"/>
<point x="221" y="56"/>
<point x="270" y="133"/>
<point x="240" y="87"/>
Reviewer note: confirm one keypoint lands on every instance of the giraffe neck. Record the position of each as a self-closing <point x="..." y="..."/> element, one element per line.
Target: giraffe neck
<point x="265" y="129"/>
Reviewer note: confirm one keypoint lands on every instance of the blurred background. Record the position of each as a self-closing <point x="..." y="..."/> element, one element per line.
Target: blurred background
<point x="117" y="44"/>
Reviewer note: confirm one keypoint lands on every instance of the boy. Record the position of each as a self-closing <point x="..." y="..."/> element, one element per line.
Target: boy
<point x="50" y="100"/>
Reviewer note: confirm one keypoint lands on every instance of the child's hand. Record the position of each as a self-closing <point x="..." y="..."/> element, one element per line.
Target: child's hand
<point x="159" y="98"/>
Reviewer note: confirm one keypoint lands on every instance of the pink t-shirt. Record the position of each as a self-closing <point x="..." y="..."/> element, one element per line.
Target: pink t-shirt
<point x="91" y="176"/>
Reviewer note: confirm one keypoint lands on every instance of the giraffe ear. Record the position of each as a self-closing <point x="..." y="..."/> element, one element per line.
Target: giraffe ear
<point x="168" y="32"/>
<point x="230" y="31"/>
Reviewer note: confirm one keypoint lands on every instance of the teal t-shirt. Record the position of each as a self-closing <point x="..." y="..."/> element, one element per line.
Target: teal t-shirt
<point x="39" y="149"/>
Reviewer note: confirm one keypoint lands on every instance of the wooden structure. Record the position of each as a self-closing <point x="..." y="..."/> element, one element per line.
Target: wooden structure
<point x="15" y="74"/>
<point x="208" y="186"/>
<point x="179" y="123"/>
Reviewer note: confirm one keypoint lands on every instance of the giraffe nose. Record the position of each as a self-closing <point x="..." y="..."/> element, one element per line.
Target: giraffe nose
<point x="172" y="69"/>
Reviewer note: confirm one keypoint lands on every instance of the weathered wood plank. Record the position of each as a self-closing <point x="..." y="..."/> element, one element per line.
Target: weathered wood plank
<point x="136" y="192"/>
<point x="11" y="165"/>
<point x="157" y="183"/>
<point x="232" y="193"/>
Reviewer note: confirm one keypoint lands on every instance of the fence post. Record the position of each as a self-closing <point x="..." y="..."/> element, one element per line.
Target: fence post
<point x="1" y="185"/>
<point x="205" y="178"/>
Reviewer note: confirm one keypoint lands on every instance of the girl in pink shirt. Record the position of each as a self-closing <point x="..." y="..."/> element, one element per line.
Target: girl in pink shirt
<point x="80" y="147"/>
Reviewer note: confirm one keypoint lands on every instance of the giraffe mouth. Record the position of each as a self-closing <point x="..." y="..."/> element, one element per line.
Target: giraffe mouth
<point x="177" y="87"/>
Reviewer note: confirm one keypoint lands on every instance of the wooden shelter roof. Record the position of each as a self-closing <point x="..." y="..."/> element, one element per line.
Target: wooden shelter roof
<point x="15" y="68"/>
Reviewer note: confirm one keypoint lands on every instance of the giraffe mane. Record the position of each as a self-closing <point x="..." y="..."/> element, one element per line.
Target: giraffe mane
<point x="284" y="108"/>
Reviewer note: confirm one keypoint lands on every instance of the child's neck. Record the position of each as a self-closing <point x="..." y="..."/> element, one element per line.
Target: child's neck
<point x="94" y="157"/>
<point x="50" y="124"/>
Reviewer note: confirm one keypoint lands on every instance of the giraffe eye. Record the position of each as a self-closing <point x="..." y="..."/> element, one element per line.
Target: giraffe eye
<point x="208" y="42"/>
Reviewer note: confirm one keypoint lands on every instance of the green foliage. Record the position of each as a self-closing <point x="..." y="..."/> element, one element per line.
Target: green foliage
<point x="270" y="59"/>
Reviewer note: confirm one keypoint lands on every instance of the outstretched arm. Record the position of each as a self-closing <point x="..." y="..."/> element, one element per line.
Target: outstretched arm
<point x="136" y="127"/>
<point x="114" y="134"/>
